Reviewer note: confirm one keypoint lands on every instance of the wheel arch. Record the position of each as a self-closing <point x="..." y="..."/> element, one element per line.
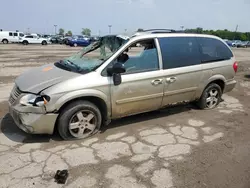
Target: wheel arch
<point x="100" y="103"/>
<point x="218" y="79"/>
<point x="5" y="39"/>
<point x="96" y="97"/>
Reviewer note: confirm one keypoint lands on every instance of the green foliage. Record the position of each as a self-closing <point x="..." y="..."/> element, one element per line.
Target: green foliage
<point x="140" y="30"/>
<point x="69" y="33"/>
<point x="86" y="31"/>
<point x="61" y="31"/>
<point x="225" y="34"/>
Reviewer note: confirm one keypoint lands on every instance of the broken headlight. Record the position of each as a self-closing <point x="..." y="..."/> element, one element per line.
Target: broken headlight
<point x="34" y="100"/>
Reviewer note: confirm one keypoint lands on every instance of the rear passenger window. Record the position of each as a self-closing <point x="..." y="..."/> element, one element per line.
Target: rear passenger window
<point x="15" y="34"/>
<point x="179" y="52"/>
<point x="10" y="34"/>
<point x="213" y="50"/>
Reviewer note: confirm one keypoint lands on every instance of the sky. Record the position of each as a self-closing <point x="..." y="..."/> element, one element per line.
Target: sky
<point x="123" y="15"/>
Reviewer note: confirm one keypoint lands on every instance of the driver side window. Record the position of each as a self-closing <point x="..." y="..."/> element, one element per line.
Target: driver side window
<point x="139" y="57"/>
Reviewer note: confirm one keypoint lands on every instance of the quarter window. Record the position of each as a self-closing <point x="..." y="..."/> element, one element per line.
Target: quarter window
<point x="179" y="52"/>
<point x="213" y="50"/>
<point x="10" y="34"/>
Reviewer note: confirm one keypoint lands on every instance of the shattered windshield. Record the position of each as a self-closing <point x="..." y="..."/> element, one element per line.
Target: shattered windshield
<point x="95" y="54"/>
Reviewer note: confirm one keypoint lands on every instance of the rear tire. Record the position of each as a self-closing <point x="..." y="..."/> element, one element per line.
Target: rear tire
<point x="210" y="97"/>
<point x="79" y="120"/>
<point x="5" y="41"/>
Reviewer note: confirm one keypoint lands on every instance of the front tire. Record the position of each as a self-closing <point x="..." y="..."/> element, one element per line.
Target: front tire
<point x="79" y="120"/>
<point x="44" y="42"/>
<point x="210" y="97"/>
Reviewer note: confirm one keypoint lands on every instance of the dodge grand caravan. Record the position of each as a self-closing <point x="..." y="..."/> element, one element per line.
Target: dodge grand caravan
<point x="149" y="71"/>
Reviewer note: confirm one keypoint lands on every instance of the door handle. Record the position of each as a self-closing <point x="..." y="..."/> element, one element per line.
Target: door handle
<point x="171" y="79"/>
<point x="156" y="82"/>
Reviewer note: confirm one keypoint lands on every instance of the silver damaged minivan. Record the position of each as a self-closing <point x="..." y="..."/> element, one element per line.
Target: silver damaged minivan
<point x="117" y="77"/>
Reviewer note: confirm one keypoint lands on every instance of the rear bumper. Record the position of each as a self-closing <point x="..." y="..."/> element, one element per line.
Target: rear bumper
<point x="34" y="123"/>
<point x="229" y="86"/>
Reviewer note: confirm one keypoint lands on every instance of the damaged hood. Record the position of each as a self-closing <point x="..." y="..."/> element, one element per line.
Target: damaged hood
<point x="40" y="78"/>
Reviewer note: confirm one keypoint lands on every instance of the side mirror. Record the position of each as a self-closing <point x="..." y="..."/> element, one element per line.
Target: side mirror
<point x="116" y="71"/>
<point x="117" y="68"/>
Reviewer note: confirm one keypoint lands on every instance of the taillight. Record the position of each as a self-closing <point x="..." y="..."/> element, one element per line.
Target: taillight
<point x="235" y="66"/>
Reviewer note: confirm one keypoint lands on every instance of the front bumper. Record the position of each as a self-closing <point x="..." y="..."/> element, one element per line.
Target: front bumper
<point x="34" y="123"/>
<point x="229" y="86"/>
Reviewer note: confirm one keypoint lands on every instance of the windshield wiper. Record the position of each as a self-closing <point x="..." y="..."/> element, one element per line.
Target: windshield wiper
<point x="77" y="67"/>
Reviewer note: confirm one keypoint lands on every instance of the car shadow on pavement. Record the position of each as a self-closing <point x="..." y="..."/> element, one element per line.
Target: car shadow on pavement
<point x="148" y="116"/>
<point x="13" y="133"/>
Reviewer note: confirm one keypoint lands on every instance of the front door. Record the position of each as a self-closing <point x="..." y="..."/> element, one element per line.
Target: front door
<point x="141" y="89"/>
<point x="182" y="69"/>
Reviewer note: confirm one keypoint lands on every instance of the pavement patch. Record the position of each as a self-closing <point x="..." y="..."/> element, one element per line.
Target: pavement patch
<point x="141" y="148"/>
<point x="162" y="178"/>
<point x="112" y="150"/>
<point x="79" y="156"/>
<point x="173" y="150"/>
<point x="115" y="136"/>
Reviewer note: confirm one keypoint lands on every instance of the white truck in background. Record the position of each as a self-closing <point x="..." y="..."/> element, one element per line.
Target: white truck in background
<point x="10" y="36"/>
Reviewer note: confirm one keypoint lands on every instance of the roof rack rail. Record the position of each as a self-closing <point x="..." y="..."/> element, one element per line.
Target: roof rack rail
<point x="159" y="30"/>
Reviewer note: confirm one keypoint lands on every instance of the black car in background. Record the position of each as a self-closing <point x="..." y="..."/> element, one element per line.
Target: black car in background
<point x="57" y="39"/>
<point x="66" y="40"/>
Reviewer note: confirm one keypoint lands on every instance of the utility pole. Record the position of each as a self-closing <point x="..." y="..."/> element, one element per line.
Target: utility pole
<point x="28" y="30"/>
<point x="99" y="33"/>
<point x="110" y="26"/>
<point x="182" y="27"/>
<point x="235" y="31"/>
<point x="55" y="28"/>
<point x="125" y="31"/>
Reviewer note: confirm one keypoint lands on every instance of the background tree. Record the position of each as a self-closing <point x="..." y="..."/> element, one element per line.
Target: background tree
<point x="86" y="31"/>
<point x="224" y="34"/>
<point x="69" y="33"/>
<point x="61" y="31"/>
<point x="139" y="30"/>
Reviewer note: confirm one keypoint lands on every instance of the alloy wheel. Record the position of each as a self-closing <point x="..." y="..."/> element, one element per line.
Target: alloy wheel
<point x="212" y="98"/>
<point x="82" y="124"/>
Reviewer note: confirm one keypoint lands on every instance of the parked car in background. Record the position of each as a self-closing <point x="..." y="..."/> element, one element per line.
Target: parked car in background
<point x="235" y="43"/>
<point x="242" y="44"/>
<point x="66" y="40"/>
<point x="31" y="39"/>
<point x="79" y="40"/>
<point x="10" y="36"/>
<point x="229" y="42"/>
<point x="57" y="39"/>
<point x="94" y="38"/>
<point x="248" y="44"/>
